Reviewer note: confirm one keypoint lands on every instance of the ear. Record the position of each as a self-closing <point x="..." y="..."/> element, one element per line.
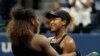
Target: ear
<point x="64" y="22"/>
<point x="32" y="21"/>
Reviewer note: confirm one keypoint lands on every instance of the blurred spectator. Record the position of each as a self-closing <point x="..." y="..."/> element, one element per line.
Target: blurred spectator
<point x="97" y="8"/>
<point x="81" y="12"/>
<point x="6" y="7"/>
<point x="23" y="2"/>
<point x="36" y="4"/>
<point x="55" y="7"/>
<point x="66" y="4"/>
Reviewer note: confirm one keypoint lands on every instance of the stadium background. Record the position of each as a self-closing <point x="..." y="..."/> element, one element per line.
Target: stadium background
<point x="85" y="42"/>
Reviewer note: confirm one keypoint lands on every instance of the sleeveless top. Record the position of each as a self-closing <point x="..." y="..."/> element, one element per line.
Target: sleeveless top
<point x="57" y="47"/>
<point x="23" y="50"/>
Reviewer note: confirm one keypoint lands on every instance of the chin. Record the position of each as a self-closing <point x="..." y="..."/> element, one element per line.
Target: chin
<point x="52" y="30"/>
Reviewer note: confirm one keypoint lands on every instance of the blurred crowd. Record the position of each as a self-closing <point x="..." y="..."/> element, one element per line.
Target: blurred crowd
<point x="85" y="13"/>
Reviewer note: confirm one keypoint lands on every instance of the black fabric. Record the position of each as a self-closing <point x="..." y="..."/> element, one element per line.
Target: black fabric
<point x="62" y="14"/>
<point x="48" y="15"/>
<point x="81" y="29"/>
<point x="23" y="50"/>
<point x="57" y="47"/>
<point x="62" y="39"/>
<point x="78" y="53"/>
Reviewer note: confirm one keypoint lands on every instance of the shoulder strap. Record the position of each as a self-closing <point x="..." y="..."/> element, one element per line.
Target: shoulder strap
<point x="62" y="39"/>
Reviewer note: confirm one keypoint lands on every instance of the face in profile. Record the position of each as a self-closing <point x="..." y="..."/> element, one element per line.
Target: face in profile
<point x="56" y="24"/>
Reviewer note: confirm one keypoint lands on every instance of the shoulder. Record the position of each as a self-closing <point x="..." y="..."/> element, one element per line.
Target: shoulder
<point x="41" y="38"/>
<point x="68" y="39"/>
<point x="70" y="44"/>
<point x="39" y="41"/>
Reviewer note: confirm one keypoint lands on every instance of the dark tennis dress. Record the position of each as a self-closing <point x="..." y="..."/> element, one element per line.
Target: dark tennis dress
<point x="57" y="47"/>
<point x="23" y="50"/>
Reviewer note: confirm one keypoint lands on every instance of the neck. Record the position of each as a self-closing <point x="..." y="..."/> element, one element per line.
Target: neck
<point x="60" y="33"/>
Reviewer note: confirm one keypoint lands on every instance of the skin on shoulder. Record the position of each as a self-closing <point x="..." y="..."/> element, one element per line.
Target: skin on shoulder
<point x="42" y="41"/>
<point x="69" y="46"/>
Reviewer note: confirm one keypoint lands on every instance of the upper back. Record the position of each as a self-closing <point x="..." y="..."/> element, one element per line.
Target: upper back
<point x="23" y="50"/>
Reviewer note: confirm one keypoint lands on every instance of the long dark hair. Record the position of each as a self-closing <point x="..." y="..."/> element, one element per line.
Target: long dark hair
<point x="20" y="27"/>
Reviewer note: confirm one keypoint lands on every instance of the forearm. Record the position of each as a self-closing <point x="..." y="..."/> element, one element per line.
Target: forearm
<point x="69" y="54"/>
<point x="72" y="2"/>
<point x="86" y="4"/>
<point x="52" y="52"/>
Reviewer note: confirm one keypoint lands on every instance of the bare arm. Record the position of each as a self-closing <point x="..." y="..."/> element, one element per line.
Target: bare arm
<point x="72" y="2"/>
<point x="69" y="54"/>
<point x="43" y="45"/>
<point x="69" y="47"/>
<point x="48" y="49"/>
<point x="87" y="4"/>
